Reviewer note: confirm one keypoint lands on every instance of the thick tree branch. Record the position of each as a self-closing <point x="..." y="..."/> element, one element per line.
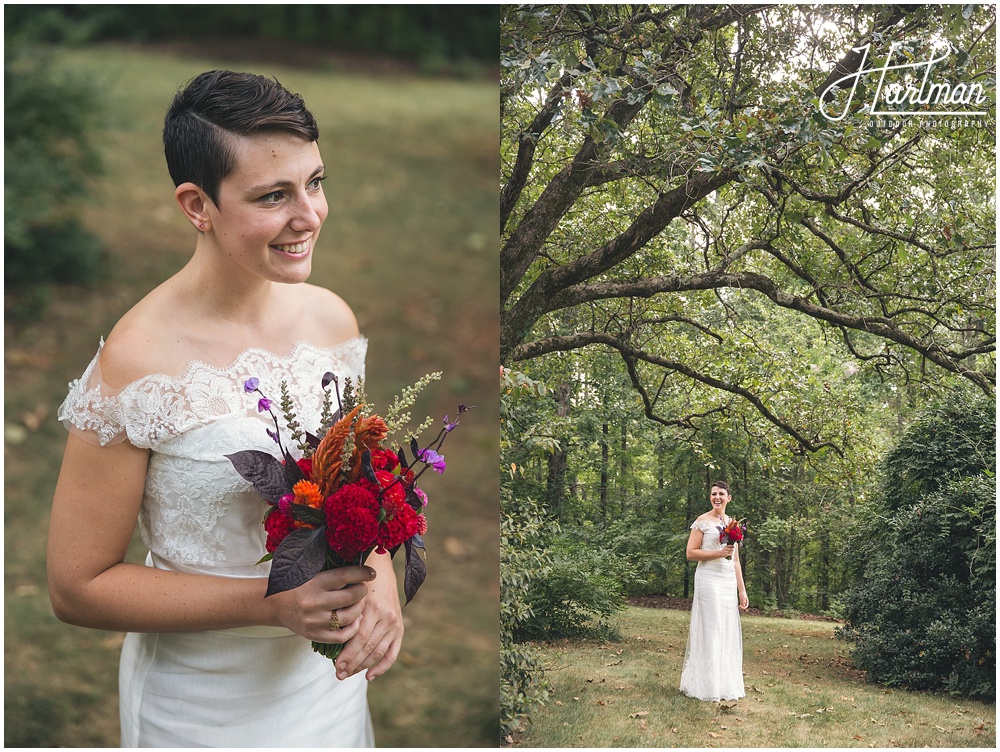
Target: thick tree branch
<point x="583" y="339"/>
<point x="518" y="320"/>
<point x="526" y="144"/>
<point x="541" y="219"/>
<point x="880" y="326"/>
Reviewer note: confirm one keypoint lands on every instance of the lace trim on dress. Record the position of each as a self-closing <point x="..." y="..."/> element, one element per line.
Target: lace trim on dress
<point x="158" y="406"/>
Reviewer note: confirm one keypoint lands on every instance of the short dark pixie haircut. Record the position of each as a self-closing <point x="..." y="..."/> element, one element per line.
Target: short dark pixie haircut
<point x="721" y="484"/>
<point x="216" y="104"/>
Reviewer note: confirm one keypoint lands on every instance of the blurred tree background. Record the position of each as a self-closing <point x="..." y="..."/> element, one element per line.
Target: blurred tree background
<point x="430" y="34"/>
<point x="407" y="111"/>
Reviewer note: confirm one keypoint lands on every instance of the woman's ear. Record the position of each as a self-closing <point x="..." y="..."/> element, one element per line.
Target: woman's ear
<point x="194" y="203"/>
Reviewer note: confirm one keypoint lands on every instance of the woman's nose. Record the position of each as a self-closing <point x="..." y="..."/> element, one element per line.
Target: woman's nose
<point x="308" y="215"/>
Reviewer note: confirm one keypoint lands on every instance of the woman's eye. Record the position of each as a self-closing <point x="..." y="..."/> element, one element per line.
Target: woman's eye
<point x="271" y="198"/>
<point x="317" y="183"/>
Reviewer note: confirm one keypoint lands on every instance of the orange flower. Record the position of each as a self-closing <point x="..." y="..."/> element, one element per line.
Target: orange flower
<point x="307" y="492"/>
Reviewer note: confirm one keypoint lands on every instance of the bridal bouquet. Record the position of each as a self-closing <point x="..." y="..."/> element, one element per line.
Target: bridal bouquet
<point x="349" y="494"/>
<point x="732" y="532"/>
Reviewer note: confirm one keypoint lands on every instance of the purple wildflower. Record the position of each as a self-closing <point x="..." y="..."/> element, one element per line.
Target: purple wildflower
<point x="285" y="503"/>
<point x="263" y="404"/>
<point x="273" y="435"/>
<point x="250" y="385"/>
<point x="432" y="458"/>
<point x="420" y="495"/>
<point x="449" y="426"/>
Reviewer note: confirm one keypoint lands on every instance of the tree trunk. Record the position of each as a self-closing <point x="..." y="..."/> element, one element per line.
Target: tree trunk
<point x="604" y="472"/>
<point x="555" y="487"/>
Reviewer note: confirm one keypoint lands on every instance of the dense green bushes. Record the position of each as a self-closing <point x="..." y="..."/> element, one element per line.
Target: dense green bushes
<point x="924" y="615"/>
<point x="585" y="585"/>
<point x="524" y="559"/>
<point x="423" y="32"/>
<point x="523" y="562"/>
<point x="49" y="160"/>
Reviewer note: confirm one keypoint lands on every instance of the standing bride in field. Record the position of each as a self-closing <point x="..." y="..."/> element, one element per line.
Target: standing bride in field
<point x="208" y="661"/>
<point x="713" y="660"/>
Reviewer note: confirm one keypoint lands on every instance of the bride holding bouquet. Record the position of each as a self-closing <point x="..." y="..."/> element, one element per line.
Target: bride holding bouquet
<point x="208" y="660"/>
<point x="713" y="660"/>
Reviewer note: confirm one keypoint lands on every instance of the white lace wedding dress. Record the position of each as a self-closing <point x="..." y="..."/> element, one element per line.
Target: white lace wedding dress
<point x="248" y="687"/>
<point x="713" y="661"/>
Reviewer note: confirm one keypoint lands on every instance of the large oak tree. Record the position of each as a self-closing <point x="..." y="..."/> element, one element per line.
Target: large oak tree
<point x="673" y="193"/>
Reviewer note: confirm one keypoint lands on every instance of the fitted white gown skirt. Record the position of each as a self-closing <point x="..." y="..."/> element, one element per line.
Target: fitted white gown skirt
<point x="713" y="661"/>
<point x="227" y="689"/>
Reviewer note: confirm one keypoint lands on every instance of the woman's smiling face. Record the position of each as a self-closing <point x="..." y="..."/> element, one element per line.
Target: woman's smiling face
<point x="719" y="498"/>
<point x="271" y="206"/>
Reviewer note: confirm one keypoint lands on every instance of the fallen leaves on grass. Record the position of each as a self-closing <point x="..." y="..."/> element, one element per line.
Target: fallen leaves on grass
<point x="643" y="724"/>
<point x="639" y="714"/>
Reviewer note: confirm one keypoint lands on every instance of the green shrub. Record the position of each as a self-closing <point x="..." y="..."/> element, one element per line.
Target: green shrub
<point x="583" y="589"/>
<point x="924" y="615"/>
<point x="523" y="561"/>
<point x="49" y="162"/>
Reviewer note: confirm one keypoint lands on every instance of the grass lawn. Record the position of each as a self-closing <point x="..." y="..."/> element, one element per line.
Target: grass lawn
<point x="801" y="692"/>
<point x="412" y="244"/>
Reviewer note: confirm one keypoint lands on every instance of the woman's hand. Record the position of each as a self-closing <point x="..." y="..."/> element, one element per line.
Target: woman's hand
<point x="726" y="551"/>
<point x="744" y="601"/>
<point x="377" y="642"/>
<point x="308" y="609"/>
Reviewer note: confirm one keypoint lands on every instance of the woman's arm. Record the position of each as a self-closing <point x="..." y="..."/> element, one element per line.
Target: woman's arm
<point x="94" y="514"/>
<point x="740" y="586"/>
<point x="696" y="553"/>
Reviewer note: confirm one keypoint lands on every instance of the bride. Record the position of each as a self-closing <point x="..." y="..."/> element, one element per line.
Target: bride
<point x="713" y="660"/>
<point x="209" y="661"/>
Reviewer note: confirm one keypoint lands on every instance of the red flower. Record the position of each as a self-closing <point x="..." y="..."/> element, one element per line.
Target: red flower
<point x="384" y="459"/>
<point x="278" y="525"/>
<point x="351" y="521"/>
<point x="389" y="490"/>
<point x="397" y="529"/>
<point x="306" y="466"/>
<point x="421" y="525"/>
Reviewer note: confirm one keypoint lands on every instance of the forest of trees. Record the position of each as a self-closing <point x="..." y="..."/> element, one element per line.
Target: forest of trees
<point x="704" y="277"/>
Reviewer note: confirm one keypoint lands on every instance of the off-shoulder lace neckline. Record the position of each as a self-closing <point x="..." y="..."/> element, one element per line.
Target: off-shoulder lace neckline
<point x="260" y="352"/>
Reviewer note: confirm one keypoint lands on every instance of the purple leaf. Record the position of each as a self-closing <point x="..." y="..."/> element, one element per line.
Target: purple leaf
<point x="415" y="570"/>
<point x="299" y="558"/>
<point x="293" y="473"/>
<point x="265" y="472"/>
<point x="413" y="498"/>
<point x="367" y="470"/>
<point x="328" y="378"/>
<point x="307" y="514"/>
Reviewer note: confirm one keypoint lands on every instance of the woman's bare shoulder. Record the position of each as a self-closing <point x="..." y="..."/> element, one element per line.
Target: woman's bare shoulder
<point x="144" y="341"/>
<point x="328" y="318"/>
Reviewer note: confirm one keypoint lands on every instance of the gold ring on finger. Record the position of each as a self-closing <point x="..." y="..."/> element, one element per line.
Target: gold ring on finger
<point x="334" y="621"/>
